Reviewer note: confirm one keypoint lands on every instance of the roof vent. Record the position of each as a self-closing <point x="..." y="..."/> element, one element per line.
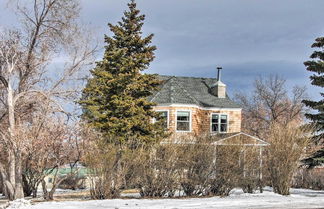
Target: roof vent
<point x="219" y="88"/>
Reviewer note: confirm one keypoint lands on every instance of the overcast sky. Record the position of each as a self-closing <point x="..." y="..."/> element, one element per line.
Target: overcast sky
<point x="247" y="38"/>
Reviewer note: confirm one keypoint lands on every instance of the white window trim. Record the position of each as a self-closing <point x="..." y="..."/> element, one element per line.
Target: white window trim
<point x="168" y="116"/>
<point x="219" y="123"/>
<point x="190" y="120"/>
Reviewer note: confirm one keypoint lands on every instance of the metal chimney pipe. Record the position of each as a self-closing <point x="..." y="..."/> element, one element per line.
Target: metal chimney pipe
<point x="219" y="73"/>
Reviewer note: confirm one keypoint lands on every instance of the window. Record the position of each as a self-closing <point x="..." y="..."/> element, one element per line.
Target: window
<point x="183" y="121"/>
<point x="219" y="123"/>
<point x="164" y="117"/>
<point x="223" y="123"/>
<point x="215" y="123"/>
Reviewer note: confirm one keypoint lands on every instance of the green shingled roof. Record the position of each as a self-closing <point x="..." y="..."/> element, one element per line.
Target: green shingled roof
<point x="189" y="91"/>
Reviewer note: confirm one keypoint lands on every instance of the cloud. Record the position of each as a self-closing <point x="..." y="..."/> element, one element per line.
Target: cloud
<point x="247" y="38"/>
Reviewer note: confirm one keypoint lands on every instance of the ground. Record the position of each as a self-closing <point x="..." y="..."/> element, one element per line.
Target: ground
<point x="299" y="198"/>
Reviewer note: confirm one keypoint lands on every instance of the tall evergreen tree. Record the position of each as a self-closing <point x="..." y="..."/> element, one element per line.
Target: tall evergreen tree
<point x="115" y="98"/>
<point x="316" y="65"/>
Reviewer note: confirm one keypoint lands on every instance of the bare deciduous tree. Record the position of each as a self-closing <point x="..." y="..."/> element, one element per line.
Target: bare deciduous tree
<point x="270" y="102"/>
<point x="52" y="144"/>
<point x="64" y="147"/>
<point x="27" y="80"/>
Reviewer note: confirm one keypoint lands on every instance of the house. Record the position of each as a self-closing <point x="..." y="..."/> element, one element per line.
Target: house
<point x="200" y="106"/>
<point x="80" y="174"/>
<point x="195" y="106"/>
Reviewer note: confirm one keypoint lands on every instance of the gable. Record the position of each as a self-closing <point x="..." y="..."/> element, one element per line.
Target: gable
<point x="240" y="139"/>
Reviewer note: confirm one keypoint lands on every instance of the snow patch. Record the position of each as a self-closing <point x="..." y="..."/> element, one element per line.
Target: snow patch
<point x="299" y="199"/>
<point x="20" y="203"/>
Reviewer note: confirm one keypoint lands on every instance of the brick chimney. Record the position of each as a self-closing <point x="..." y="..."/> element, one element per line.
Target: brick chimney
<point x="219" y="88"/>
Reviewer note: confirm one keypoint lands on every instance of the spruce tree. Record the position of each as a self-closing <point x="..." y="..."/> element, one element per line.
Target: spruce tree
<point x="316" y="65"/>
<point x="115" y="98"/>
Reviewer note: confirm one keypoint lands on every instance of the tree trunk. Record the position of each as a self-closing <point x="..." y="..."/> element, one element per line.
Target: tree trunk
<point x="11" y="168"/>
<point x="45" y="192"/>
<point x="117" y="176"/>
<point x="4" y="191"/>
<point x="28" y="189"/>
<point x="19" y="190"/>
<point x="1" y="185"/>
<point x="10" y="192"/>
<point x="11" y="130"/>
<point x="7" y="186"/>
<point x="51" y="193"/>
<point x="34" y="192"/>
<point x="14" y="181"/>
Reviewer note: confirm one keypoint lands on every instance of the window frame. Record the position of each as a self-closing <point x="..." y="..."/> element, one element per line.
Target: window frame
<point x="211" y="123"/>
<point x="219" y="123"/>
<point x="168" y="117"/>
<point x="176" y="120"/>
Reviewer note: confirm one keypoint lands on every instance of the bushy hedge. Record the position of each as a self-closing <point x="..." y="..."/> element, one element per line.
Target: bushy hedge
<point x="169" y="169"/>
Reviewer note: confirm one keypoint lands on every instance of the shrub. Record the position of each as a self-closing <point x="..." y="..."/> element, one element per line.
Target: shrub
<point x="197" y="167"/>
<point x="106" y="172"/>
<point x="287" y="145"/>
<point x="250" y="178"/>
<point x="249" y="184"/>
<point x="73" y="182"/>
<point x="227" y="170"/>
<point x="161" y="170"/>
<point x="309" y="178"/>
<point x="156" y="173"/>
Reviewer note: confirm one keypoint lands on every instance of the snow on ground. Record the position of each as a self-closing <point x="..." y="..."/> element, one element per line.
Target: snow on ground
<point x="20" y="203"/>
<point x="300" y="198"/>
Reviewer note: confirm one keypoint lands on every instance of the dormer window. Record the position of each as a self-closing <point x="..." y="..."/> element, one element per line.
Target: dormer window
<point x="219" y="123"/>
<point x="183" y="121"/>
